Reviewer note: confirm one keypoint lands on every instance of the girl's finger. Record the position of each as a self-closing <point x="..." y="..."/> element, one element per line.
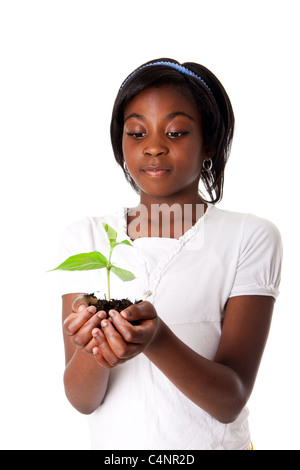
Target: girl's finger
<point x="103" y="352"/>
<point x="84" y="335"/>
<point x="119" y="347"/>
<point x="139" y="334"/>
<point x="79" y="303"/>
<point x="76" y="320"/>
<point x="130" y="333"/>
<point x="88" y="348"/>
<point x="99" y="358"/>
<point x="99" y="340"/>
<point x="141" y="311"/>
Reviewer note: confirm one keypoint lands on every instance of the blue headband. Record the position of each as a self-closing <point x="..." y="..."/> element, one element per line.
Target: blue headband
<point x="178" y="67"/>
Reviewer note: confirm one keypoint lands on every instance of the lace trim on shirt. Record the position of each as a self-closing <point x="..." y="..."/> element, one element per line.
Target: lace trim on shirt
<point x="152" y="282"/>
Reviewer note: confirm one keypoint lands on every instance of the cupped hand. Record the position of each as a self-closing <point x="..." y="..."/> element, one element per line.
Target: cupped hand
<point x="125" y="335"/>
<point x="80" y="324"/>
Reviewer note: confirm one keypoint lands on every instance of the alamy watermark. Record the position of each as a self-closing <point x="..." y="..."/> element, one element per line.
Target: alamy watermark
<point x="163" y="220"/>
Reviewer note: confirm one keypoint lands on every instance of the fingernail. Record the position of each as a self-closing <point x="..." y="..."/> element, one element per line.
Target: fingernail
<point x="91" y="309"/>
<point x="81" y="307"/>
<point x="124" y="314"/>
<point x="95" y="351"/>
<point x="95" y="333"/>
<point x="112" y="313"/>
<point x="104" y="323"/>
<point x="101" y="314"/>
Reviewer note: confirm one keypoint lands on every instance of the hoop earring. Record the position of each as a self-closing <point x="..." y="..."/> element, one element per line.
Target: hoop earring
<point x="126" y="169"/>
<point x="207" y="164"/>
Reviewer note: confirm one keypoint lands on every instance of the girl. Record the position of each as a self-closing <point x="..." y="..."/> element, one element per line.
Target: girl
<point x="176" y="370"/>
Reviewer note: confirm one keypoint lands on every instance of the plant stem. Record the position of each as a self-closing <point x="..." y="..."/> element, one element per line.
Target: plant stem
<point x="108" y="268"/>
<point x="108" y="282"/>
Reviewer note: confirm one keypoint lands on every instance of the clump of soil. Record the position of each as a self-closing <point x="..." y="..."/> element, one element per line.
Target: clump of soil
<point x="106" y="305"/>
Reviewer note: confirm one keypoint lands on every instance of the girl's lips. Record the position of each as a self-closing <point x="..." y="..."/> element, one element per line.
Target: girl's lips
<point x="156" y="172"/>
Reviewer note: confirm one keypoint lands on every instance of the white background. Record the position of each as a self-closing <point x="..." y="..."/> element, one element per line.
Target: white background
<point x="61" y="65"/>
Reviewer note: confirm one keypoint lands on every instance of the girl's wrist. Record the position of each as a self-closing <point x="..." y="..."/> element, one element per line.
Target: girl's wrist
<point x="158" y="338"/>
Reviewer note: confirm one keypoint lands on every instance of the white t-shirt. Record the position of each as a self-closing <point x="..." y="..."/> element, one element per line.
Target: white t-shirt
<point x="189" y="281"/>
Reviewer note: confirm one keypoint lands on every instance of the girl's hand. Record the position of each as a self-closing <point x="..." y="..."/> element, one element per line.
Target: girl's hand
<point x="79" y="324"/>
<point x="125" y="335"/>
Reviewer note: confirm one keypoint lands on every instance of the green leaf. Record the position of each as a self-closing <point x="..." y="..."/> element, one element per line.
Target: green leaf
<point x="83" y="262"/>
<point x="123" y="274"/>
<point x="124" y="242"/>
<point x="111" y="233"/>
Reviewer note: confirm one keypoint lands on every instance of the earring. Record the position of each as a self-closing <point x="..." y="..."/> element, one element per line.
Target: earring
<point x="207" y="164"/>
<point x="126" y="169"/>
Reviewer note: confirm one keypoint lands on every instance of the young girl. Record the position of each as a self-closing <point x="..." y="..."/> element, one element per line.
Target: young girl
<point x="176" y="370"/>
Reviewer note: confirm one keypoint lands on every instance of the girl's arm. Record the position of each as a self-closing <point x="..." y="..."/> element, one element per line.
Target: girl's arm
<point x="84" y="379"/>
<point x="221" y="387"/>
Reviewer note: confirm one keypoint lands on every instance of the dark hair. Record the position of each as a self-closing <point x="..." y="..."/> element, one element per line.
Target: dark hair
<point x="211" y="99"/>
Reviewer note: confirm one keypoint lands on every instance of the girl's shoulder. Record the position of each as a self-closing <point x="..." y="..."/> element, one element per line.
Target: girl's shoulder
<point x="245" y="219"/>
<point x="247" y="227"/>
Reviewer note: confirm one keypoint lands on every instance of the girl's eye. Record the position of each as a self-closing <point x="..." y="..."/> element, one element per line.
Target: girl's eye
<point x="175" y="134"/>
<point x="136" y="135"/>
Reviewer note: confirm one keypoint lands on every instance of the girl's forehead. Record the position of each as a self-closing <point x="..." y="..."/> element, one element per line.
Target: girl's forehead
<point x="166" y="96"/>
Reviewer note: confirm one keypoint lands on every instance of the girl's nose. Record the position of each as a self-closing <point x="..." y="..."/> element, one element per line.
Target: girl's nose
<point x="155" y="148"/>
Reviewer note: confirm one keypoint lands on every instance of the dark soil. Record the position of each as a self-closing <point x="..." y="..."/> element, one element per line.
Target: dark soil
<point x="106" y="305"/>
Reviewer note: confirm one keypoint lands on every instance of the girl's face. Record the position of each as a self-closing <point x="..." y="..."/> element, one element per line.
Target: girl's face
<point x="163" y="143"/>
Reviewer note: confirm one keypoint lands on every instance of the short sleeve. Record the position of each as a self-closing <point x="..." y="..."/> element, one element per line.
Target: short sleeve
<point x="259" y="265"/>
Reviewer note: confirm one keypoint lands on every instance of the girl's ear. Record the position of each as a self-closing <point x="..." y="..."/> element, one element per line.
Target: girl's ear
<point x="209" y="147"/>
<point x="210" y="152"/>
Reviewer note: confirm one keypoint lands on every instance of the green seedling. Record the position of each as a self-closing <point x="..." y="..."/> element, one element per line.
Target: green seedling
<point x="96" y="260"/>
